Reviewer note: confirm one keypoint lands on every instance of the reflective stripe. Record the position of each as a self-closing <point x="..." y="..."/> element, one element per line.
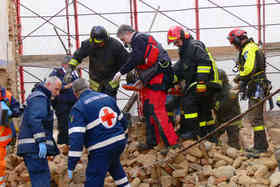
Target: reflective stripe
<point x="211" y="122"/>
<point x="128" y="185"/>
<point x="76" y="129"/>
<point x="31" y="140"/>
<point x="250" y="62"/>
<point x="170" y="113"/>
<point x="39" y="135"/>
<point x="202" y="124"/>
<point x="192" y="115"/>
<point x="259" y="128"/>
<point x="172" y="37"/>
<point x="73" y="62"/>
<point x="203" y="69"/>
<point x="75" y="153"/>
<point x="192" y="84"/>
<point x="201" y="86"/>
<point x="217" y="78"/>
<point x="2" y="179"/>
<point x="121" y="181"/>
<point x="107" y="142"/>
<point x="5" y="138"/>
<point x="93" y="124"/>
<point x="120" y="116"/>
<point x="26" y="140"/>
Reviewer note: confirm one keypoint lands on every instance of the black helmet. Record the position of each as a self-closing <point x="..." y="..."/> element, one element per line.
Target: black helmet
<point x="98" y="34"/>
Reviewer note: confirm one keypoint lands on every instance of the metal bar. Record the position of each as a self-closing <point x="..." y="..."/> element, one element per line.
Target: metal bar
<point x="264" y="42"/>
<point x="167" y="16"/>
<point x="46" y="20"/>
<point x="259" y="21"/>
<point x="32" y="75"/>
<point x="154" y="19"/>
<point x="135" y="15"/>
<point x="197" y="20"/>
<point x="68" y="27"/>
<point x="60" y="39"/>
<point x="20" y="51"/>
<point x="131" y="14"/>
<point x="77" y="37"/>
<point x="161" y="31"/>
<point x="234" y="15"/>
<point x="149" y="12"/>
<point x="110" y="21"/>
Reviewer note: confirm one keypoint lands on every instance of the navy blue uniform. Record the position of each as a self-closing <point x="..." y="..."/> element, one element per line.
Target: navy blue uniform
<point x="37" y="127"/>
<point x="62" y="105"/>
<point x="97" y="123"/>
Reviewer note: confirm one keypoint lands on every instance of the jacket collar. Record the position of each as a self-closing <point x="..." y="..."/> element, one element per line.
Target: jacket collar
<point x="43" y="89"/>
<point x="86" y="92"/>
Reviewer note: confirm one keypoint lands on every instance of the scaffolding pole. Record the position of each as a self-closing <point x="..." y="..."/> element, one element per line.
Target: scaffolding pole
<point x="68" y="27"/>
<point x="197" y="20"/>
<point x="20" y="51"/>
<point x="259" y="20"/>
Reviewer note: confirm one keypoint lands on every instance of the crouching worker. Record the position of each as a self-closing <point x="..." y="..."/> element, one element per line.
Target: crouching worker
<point x="35" y="140"/>
<point x="97" y="123"/>
<point x="9" y="108"/>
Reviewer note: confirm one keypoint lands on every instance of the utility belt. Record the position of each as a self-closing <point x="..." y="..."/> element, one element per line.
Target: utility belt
<point x="159" y="67"/>
<point x="259" y="86"/>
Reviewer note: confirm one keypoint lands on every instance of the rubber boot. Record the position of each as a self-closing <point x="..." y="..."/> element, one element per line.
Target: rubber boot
<point x="233" y="136"/>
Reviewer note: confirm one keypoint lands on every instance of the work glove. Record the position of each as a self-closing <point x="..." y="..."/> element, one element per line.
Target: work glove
<point x="114" y="84"/>
<point x="117" y="77"/>
<point x="201" y="87"/>
<point x="42" y="150"/>
<point x="278" y="101"/>
<point x="70" y="174"/>
<point x="94" y="85"/>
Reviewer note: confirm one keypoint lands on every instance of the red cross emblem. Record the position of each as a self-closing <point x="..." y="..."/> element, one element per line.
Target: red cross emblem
<point x="108" y="117"/>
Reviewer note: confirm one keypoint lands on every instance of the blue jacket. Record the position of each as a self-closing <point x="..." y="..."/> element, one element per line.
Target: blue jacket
<point x="63" y="103"/>
<point x="37" y="123"/>
<point x="96" y="123"/>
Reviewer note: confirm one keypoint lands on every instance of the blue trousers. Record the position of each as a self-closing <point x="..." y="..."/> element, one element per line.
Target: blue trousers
<point x="101" y="161"/>
<point x="38" y="170"/>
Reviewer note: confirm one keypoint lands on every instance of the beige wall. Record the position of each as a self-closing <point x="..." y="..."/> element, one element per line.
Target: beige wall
<point x="4" y="36"/>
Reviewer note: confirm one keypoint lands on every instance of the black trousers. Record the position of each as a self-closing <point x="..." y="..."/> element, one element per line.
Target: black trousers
<point x="62" y="120"/>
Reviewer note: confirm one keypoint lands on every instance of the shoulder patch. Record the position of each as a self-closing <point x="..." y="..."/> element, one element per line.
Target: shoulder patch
<point x="107" y="117"/>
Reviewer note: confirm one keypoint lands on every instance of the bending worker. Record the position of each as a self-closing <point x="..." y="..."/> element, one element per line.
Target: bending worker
<point x="106" y="56"/>
<point x="35" y="141"/>
<point x="97" y="123"/>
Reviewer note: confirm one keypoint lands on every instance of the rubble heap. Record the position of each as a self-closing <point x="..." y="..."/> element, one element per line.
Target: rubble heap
<point x="202" y="165"/>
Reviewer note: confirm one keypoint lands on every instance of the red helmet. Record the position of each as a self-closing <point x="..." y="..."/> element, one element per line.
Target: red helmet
<point x="176" y="33"/>
<point x="236" y="35"/>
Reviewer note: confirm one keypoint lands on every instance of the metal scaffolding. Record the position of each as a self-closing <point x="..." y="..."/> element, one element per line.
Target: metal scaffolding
<point x="133" y="15"/>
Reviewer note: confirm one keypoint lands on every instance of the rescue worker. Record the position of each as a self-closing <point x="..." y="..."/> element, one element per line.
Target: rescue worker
<point x="253" y="83"/>
<point x="198" y="74"/>
<point x="97" y="123"/>
<point x="9" y="108"/>
<point x="147" y="54"/>
<point x="227" y="107"/>
<point x="63" y="103"/>
<point x="106" y="56"/>
<point x="35" y="141"/>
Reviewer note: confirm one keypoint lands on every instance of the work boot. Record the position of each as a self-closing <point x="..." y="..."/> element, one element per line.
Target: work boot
<point x="233" y="136"/>
<point x="144" y="147"/>
<point x="187" y="136"/>
<point x="254" y="153"/>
